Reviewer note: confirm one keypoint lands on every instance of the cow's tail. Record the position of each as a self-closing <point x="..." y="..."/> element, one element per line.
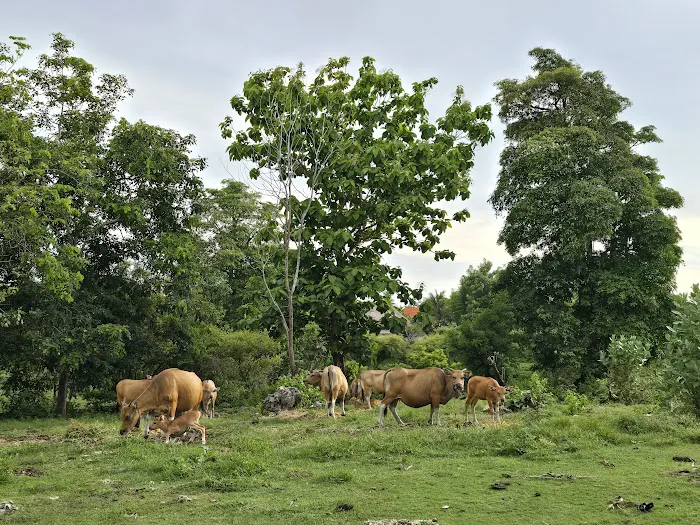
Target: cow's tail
<point x="330" y="380"/>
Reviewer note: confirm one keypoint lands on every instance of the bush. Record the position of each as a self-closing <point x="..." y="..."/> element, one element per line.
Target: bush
<point x="681" y="361"/>
<point x="624" y="360"/>
<point x="575" y="403"/>
<point x="242" y="364"/>
<point x="310" y="348"/>
<point x="536" y="394"/>
<point x="388" y="348"/>
<point x="309" y="394"/>
<point x="352" y="369"/>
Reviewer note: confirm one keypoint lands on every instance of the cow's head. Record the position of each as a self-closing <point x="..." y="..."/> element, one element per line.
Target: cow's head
<point x="159" y="423"/>
<point x="130" y="414"/>
<point x="498" y="394"/>
<point x="314" y="378"/>
<point x="357" y="389"/>
<point x="455" y="381"/>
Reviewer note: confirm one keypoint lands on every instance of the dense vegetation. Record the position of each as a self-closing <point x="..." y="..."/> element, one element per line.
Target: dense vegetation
<point x="116" y="261"/>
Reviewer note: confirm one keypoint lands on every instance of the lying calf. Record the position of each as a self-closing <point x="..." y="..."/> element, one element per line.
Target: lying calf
<point x="362" y="404"/>
<point x="180" y="425"/>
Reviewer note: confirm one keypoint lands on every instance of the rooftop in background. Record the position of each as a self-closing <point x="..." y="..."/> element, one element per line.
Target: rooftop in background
<point x="410" y="311"/>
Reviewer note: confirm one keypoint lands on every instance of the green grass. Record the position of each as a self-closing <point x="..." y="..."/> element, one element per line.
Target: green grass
<point x="265" y="470"/>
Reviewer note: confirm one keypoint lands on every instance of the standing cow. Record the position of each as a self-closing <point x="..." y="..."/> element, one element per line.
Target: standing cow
<point x="209" y="392"/>
<point x="334" y="385"/>
<point x="418" y="388"/>
<point x="368" y="382"/>
<point x="170" y="391"/>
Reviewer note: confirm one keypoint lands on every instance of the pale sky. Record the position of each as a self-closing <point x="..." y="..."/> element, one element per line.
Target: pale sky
<point x="187" y="59"/>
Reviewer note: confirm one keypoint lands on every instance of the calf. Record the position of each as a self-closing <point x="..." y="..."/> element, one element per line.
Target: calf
<point x="360" y="403"/>
<point x="180" y="425"/>
<point x="486" y="388"/>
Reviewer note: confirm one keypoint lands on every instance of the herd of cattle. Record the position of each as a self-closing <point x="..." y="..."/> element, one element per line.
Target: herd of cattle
<point x="175" y="391"/>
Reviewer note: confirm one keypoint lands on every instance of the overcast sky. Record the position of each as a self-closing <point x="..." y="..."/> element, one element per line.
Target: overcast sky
<point x="186" y="59"/>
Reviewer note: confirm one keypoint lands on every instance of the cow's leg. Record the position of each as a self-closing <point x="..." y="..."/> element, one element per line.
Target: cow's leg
<point x="492" y="410"/>
<point x="213" y="402"/>
<point x="202" y="430"/>
<point x="342" y="405"/>
<point x="368" y="398"/>
<point x="474" y="403"/>
<point x="437" y="414"/>
<point x="430" y="418"/>
<point x="172" y="409"/>
<point x="383" y="407"/>
<point x="392" y="407"/>
<point x="147" y="423"/>
<point x="332" y="411"/>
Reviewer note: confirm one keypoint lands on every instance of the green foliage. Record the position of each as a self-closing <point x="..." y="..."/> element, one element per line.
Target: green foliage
<point x="575" y="403"/>
<point x="534" y="394"/>
<point x="430" y="351"/>
<point x="242" y="364"/>
<point x="681" y="356"/>
<point x="352" y="369"/>
<point x="434" y="312"/>
<point x="309" y="394"/>
<point x="486" y="321"/>
<point x="586" y="217"/>
<point x="310" y="348"/>
<point x="377" y="166"/>
<point x="389" y="348"/>
<point x="625" y="363"/>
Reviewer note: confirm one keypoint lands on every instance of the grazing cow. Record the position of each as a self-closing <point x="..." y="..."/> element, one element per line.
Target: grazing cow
<point x="209" y="391"/>
<point x="487" y="388"/>
<point x="128" y="390"/>
<point x="418" y="388"/>
<point x="170" y="391"/>
<point x="334" y="385"/>
<point x="180" y="425"/>
<point x="368" y="382"/>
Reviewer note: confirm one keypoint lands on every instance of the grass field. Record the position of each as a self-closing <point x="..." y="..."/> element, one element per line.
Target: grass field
<point x="269" y="470"/>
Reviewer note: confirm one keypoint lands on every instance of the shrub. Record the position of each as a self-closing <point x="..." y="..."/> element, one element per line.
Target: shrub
<point x="309" y="393"/>
<point x="624" y="360"/>
<point x="536" y="394"/>
<point x="682" y="353"/>
<point x="352" y="369"/>
<point x="575" y="403"/>
<point x="310" y="348"/>
<point x="388" y="348"/>
<point x="241" y="364"/>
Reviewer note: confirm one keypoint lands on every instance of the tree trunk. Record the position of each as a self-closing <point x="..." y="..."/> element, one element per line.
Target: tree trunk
<point x="290" y="337"/>
<point x="62" y="395"/>
<point x="339" y="360"/>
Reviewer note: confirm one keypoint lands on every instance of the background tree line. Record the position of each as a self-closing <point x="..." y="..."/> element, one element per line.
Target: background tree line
<point x="116" y="261"/>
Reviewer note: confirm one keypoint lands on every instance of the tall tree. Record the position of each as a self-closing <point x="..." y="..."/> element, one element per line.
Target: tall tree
<point x="585" y="214"/>
<point x="386" y="166"/>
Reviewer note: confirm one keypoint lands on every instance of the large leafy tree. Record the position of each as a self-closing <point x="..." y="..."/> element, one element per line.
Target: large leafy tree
<point x="113" y="272"/>
<point x="375" y="167"/>
<point x="595" y="251"/>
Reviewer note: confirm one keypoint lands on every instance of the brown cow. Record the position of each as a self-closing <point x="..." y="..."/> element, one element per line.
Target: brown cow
<point x="334" y="385"/>
<point x="170" y="391"/>
<point x="418" y="388"/>
<point x="368" y="382"/>
<point x="180" y="425"/>
<point x="209" y="391"/>
<point x="129" y="389"/>
<point x="487" y="388"/>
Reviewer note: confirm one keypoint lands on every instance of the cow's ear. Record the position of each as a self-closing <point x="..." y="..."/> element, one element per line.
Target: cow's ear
<point x="135" y="404"/>
<point x="493" y="388"/>
<point x="124" y="404"/>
